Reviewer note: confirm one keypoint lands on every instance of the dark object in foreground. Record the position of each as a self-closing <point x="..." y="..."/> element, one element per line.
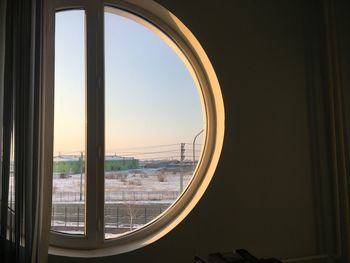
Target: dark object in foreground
<point x="237" y="256"/>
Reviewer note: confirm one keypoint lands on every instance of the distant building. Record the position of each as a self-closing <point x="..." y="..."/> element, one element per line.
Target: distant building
<point x="73" y="164"/>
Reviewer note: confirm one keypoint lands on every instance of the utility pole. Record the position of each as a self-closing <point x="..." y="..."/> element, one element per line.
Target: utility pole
<point x="81" y="176"/>
<point x="182" y="151"/>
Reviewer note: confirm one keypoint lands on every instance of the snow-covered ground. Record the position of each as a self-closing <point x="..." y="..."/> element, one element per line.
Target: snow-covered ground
<point x="138" y="180"/>
<point x="150" y="191"/>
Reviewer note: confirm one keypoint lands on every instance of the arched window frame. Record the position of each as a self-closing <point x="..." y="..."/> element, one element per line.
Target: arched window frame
<point x="171" y="30"/>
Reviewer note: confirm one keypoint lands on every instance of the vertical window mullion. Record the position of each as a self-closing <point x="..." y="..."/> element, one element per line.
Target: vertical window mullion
<point x="91" y="110"/>
<point x="101" y="119"/>
<point x="95" y="123"/>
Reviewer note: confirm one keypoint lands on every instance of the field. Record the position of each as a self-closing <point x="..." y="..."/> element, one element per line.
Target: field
<point x="133" y="180"/>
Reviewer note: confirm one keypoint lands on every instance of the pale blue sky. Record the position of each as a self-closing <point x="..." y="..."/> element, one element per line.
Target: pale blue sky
<point x="151" y="98"/>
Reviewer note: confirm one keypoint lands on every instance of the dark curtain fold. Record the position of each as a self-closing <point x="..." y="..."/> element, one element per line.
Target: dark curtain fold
<point x="20" y="89"/>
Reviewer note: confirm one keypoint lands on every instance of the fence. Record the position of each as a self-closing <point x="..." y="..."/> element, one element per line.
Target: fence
<point x="119" y="218"/>
<point x="119" y="196"/>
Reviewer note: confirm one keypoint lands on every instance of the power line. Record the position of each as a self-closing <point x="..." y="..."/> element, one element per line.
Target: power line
<point x="145" y="147"/>
<point x="174" y="147"/>
<point x="143" y="153"/>
<point x="172" y="157"/>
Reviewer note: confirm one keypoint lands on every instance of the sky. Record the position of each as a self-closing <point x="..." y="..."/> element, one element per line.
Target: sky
<point x="150" y="96"/>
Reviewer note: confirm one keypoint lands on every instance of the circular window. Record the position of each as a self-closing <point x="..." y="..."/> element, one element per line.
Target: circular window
<point x="138" y="125"/>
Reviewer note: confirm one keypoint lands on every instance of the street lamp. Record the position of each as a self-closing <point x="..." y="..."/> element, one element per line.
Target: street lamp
<point x="194" y="147"/>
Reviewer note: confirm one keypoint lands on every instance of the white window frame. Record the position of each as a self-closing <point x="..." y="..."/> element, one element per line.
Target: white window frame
<point x="171" y="30"/>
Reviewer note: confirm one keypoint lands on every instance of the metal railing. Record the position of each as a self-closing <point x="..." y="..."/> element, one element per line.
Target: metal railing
<point x="119" y="196"/>
<point x="119" y="218"/>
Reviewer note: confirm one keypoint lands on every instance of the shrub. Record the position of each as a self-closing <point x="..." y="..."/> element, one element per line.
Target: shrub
<point x="135" y="182"/>
<point x="161" y="176"/>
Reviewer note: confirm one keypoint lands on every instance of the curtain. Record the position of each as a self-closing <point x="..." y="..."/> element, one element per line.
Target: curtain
<point x="21" y="195"/>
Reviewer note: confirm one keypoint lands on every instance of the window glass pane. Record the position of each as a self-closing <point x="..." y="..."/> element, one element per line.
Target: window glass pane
<point x="68" y="192"/>
<point x="154" y="121"/>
